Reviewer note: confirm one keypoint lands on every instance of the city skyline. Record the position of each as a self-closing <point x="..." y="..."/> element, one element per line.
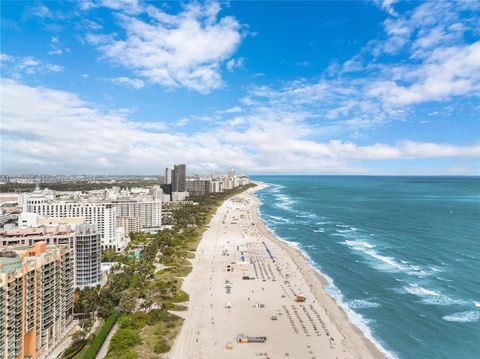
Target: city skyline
<point x="381" y="87"/>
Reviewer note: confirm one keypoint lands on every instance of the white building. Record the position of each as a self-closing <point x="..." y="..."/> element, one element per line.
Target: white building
<point x="104" y="215"/>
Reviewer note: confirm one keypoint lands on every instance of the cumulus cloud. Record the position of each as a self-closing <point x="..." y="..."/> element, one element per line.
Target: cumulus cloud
<point x="446" y="72"/>
<point x="60" y="132"/>
<point x="182" y="50"/>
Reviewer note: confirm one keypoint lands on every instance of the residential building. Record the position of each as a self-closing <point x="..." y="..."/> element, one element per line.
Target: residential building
<point x="179" y="177"/>
<point x="216" y="186"/>
<point x="82" y="239"/>
<point x="36" y="306"/>
<point x="88" y="256"/>
<point x="198" y="186"/>
<point x="129" y="224"/>
<point x="168" y="175"/>
<point x="148" y="212"/>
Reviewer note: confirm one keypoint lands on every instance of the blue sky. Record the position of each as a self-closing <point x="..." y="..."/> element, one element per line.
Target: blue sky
<point x="123" y="87"/>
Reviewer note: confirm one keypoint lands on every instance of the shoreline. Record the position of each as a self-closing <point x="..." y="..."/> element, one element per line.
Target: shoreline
<point x="224" y="306"/>
<point x="313" y="275"/>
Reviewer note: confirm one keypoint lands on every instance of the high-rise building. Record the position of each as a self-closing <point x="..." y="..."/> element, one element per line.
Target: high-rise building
<point x="198" y="186"/>
<point x="83" y="241"/>
<point x="168" y="175"/>
<point x="231" y="173"/>
<point x="88" y="256"/>
<point x="36" y="306"/>
<point x="179" y="178"/>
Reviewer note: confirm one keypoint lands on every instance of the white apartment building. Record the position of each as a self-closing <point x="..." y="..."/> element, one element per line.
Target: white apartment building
<point x="104" y="215"/>
<point x="216" y="186"/>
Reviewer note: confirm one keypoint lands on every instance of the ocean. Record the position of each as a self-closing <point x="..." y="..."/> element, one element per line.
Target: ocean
<point x="402" y="254"/>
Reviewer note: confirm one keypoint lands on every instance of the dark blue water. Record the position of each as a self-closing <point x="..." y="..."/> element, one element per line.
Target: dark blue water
<point x="402" y="254"/>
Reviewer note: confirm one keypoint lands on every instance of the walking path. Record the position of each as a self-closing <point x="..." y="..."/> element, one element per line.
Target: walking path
<point x="102" y="353"/>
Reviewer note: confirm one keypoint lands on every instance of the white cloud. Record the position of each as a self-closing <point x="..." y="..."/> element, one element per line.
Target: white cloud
<point x="55" y="47"/>
<point x="234" y="109"/>
<point x="183" y="50"/>
<point x="128" y="82"/>
<point x="446" y="72"/>
<point x="387" y="5"/>
<point x="17" y="66"/>
<point x="235" y="64"/>
<point x="59" y="132"/>
<point x="182" y="122"/>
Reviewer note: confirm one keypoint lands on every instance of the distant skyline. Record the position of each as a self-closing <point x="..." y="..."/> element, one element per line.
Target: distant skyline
<point x="129" y="87"/>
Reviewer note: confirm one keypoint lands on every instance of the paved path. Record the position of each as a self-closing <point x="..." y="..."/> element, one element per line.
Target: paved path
<point x="102" y="353"/>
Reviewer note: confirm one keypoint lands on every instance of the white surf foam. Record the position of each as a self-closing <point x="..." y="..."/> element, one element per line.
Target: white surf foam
<point x="463" y="317"/>
<point x="381" y="262"/>
<point x="432" y="297"/>
<point x="419" y="291"/>
<point x="319" y="230"/>
<point x="278" y="218"/>
<point x="362" y="304"/>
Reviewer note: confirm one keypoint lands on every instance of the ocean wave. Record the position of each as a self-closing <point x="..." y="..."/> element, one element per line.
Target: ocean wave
<point x="306" y="215"/>
<point x="463" y="317"/>
<point x="279" y="218"/>
<point x="284" y="202"/>
<point x="362" y="304"/>
<point x="386" y="263"/>
<point x="432" y="297"/>
<point x="319" y="230"/>
<point x="275" y="188"/>
<point x="419" y="291"/>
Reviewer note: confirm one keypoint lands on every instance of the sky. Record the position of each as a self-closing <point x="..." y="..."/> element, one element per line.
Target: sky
<point x="380" y="87"/>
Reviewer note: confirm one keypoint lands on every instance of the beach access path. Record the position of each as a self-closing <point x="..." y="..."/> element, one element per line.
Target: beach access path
<point x="266" y="308"/>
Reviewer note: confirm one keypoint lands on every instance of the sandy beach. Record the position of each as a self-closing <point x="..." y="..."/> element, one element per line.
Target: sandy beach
<point x="246" y="284"/>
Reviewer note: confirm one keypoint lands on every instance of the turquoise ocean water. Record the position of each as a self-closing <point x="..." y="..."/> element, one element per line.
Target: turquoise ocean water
<point x="402" y="254"/>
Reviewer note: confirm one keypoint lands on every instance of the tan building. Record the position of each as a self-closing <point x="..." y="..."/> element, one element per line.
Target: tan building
<point x="129" y="224"/>
<point x="36" y="299"/>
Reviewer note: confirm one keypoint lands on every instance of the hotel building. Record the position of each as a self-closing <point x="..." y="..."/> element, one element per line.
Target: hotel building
<point x="104" y="215"/>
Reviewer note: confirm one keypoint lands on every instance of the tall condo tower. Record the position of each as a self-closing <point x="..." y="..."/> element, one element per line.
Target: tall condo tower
<point x="179" y="178"/>
<point x="168" y="175"/>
